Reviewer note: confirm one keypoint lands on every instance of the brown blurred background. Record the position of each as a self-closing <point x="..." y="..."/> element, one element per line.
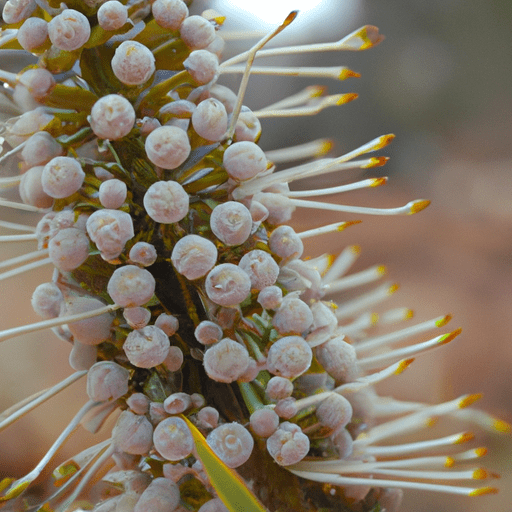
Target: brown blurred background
<point x="441" y="83"/>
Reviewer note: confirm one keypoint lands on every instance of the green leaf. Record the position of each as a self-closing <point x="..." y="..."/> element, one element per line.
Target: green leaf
<point x="230" y="488"/>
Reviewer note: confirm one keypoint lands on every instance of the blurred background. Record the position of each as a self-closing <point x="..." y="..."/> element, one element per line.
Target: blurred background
<point x="441" y="81"/>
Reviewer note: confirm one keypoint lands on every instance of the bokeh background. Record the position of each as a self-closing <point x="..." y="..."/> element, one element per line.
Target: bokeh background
<point x="441" y="81"/>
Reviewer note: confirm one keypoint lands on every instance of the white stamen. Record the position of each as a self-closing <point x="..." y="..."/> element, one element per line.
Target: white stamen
<point x="13" y="151"/>
<point x="299" y="98"/>
<point x="12" y="414"/>
<point x="24" y="257"/>
<point x="360" y="324"/>
<point x="380" y="359"/>
<point x="335" y="72"/>
<point x="25" y="268"/>
<point x="372" y="182"/>
<point x="312" y="149"/>
<point x="330" y="228"/>
<point x="364" y="277"/>
<point x="54" y="322"/>
<point x="14" y="225"/>
<point x="21" y="206"/>
<point x="366" y="301"/>
<point x="10" y="182"/>
<point x="396" y="315"/>
<point x="250" y="55"/>
<point x="18" y="238"/>
<point x="395" y="336"/>
<point x="342" y="263"/>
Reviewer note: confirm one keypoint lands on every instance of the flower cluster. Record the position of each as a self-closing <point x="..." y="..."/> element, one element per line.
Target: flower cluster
<point x="179" y="284"/>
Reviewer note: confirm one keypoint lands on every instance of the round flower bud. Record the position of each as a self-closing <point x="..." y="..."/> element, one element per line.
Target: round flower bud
<point x="112" y="116"/>
<point x="107" y="380"/>
<point x="194" y="256"/>
<point x="47" y="300"/>
<point x="110" y="230"/>
<point x="208" y="417"/>
<point x="138" y="403"/>
<point x="227" y="285"/>
<point x="174" y="359"/>
<point x="226" y="360"/>
<point x="167" y="146"/>
<point x="338" y="359"/>
<point x="197" y="32"/>
<point x="69" y="248"/>
<point x="168" y="323"/>
<point x="172" y="439"/>
<point x="264" y="422"/>
<point x="31" y="189"/>
<point x="293" y="316"/>
<point x="166" y="201"/>
<point x="289" y="357"/>
<point x="177" y="403"/>
<point x="91" y="331"/>
<point x="133" y="63"/>
<point x="244" y="160"/>
<point x="251" y="372"/>
<point x="162" y="495"/>
<point x="210" y="119"/>
<point x="17" y="10"/>
<point x="131" y="286"/>
<point x="231" y="222"/>
<point x="137" y="318"/>
<point x="280" y="208"/>
<point x="286" y="408"/>
<point x="69" y="30"/>
<point x="147" y="347"/>
<point x="39" y="83"/>
<point x="202" y="65"/>
<point x="82" y="357"/>
<point x="248" y="126"/>
<point x="132" y="433"/>
<point x="112" y="15"/>
<point x="334" y="412"/>
<point x="62" y="176"/>
<point x="40" y="148"/>
<point x="142" y="253"/>
<point x="279" y="388"/>
<point x="169" y="13"/>
<point x="225" y="95"/>
<point x="112" y="193"/>
<point x="33" y="33"/>
<point x="260" y="267"/>
<point x="214" y="505"/>
<point x="288" y="444"/>
<point x="270" y="297"/>
<point x="208" y="332"/>
<point x="343" y="442"/>
<point x="285" y="243"/>
<point x="232" y="443"/>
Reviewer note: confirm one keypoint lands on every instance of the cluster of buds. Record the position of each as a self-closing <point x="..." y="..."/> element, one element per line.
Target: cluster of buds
<point x="179" y="284"/>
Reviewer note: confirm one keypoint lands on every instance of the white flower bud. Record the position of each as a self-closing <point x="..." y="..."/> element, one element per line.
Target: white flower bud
<point x="226" y="360"/>
<point x="166" y="201"/>
<point x="286" y="243"/>
<point x="279" y="388"/>
<point x="112" y="193"/>
<point x="137" y="317"/>
<point x="172" y="439"/>
<point x="68" y="249"/>
<point x="47" y="300"/>
<point x="69" y="30"/>
<point x="289" y="357"/>
<point x="16" y="10"/>
<point x="264" y="422"/>
<point x="91" y="331"/>
<point x="197" y="32"/>
<point x="248" y="126"/>
<point x="62" y="176"/>
<point x="169" y="13"/>
<point x="286" y="408"/>
<point x="244" y="160"/>
<point x="162" y="495"/>
<point x="177" y="403"/>
<point x="131" y="286"/>
<point x="107" y="380"/>
<point x="334" y="412"/>
<point x="194" y="256"/>
<point x="133" y="63"/>
<point x="138" y="403"/>
<point x="208" y="332"/>
<point x="112" y="116"/>
<point x="132" y="433"/>
<point x="338" y="359"/>
<point x="288" y="445"/>
<point x="270" y="297"/>
<point x="142" y="253"/>
<point x="168" y="323"/>
<point x="40" y="148"/>
<point x="292" y="317"/>
<point x="210" y="119"/>
<point x="147" y="347"/>
<point x="232" y="443"/>
<point x="231" y="223"/>
<point x="167" y="146"/>
<point x="202" y="65"/>
<point x="112" y="15"/>
<point x="208" y="417"/>
<point x="227" y="285"/>
<point x="31" y="188"/>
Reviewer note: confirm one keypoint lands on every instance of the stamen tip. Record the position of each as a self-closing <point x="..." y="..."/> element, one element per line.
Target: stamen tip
<point x="447" y="338"/>
<point x="377" y="182"/>
<point x="348" y="73"/>
<point x="374" y="318"/>
<point x="480" y="452"/>
<point x="441" y="322"/>
<point x="469" y="400"/>
<point x="449" y="462"/>
<point x="290" y="18"/>
<point x="403" y="365"/>
<point x="325" y="146"/>
<point x="356" y="249"/>
<point x="483" y="490"/>
<point x="346" y="98"/>
<point x="417" y="206"/>
<point x="345" y="225"/>
<point x="382" y="270"/>
<point x="502" y="426"/>
<point x="393" y="288"/>
<point x="464" y="438"/>
<point x="409" y="313"/>
<point x="384" y="140"/>
<point x="480" y="474"/>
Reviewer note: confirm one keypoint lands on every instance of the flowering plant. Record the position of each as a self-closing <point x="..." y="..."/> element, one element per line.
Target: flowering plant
<point x="181" y="288"/>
